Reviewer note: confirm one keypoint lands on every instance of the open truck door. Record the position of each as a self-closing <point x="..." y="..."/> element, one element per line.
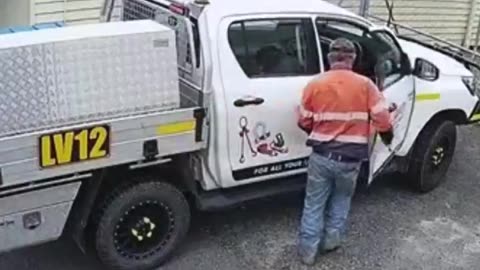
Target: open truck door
<point x="395" y="80"/>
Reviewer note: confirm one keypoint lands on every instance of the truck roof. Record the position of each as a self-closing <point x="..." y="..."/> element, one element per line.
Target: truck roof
<point x="222" y="8"/>
<point x="230" y="8"/>
<point x="217" y="10"/>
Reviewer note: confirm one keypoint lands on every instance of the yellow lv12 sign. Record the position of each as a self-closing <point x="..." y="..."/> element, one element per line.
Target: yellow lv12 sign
<point x="72" y="146"/>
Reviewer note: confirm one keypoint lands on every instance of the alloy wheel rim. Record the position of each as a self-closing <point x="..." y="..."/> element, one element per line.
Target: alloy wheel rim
<point x="143" y="230"/>
<point x="439" y="154"/>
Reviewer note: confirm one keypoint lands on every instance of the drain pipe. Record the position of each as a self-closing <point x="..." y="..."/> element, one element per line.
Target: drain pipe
<point x="364" y="7"/>
<point x="467" y="39"/>
<point x="477" y="37"/>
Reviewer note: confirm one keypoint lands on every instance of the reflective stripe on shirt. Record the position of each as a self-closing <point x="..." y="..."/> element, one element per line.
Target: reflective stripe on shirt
<point x="338" y="138"/>
<point x="305" y="113"/>
<point x="334" y="116"/>
<point x="340" y="116"/>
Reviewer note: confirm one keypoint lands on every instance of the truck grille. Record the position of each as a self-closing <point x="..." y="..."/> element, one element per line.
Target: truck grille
<point x="138" y="10"/>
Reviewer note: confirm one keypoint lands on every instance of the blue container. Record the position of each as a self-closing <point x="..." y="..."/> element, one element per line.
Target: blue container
<point x="40" y="26"/>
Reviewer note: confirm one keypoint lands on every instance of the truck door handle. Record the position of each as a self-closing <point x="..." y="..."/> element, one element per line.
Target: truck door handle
<point x="248" y="101"/>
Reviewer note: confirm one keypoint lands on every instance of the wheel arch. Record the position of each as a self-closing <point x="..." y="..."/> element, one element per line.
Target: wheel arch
<point x="402" y="159"/>
<point x="457" y="116"/>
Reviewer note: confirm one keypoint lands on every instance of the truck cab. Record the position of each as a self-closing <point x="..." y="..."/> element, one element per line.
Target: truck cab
<point x="254" y="60"/>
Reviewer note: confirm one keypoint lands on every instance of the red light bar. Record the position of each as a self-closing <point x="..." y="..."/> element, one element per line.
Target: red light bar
<point x="179" y="9"/>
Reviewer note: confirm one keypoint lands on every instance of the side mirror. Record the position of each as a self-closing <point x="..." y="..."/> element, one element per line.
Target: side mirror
<point x="425" y="70"/>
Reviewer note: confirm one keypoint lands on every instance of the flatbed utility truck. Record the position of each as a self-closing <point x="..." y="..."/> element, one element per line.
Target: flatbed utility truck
<point x="113" y="132"/>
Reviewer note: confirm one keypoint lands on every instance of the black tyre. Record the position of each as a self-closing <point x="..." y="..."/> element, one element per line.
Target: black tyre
<point x="432" y="155"/>
<point x="139" y="226"/>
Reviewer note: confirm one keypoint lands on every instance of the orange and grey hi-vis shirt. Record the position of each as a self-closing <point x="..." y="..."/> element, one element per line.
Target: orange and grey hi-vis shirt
<point x="341" y="110"/>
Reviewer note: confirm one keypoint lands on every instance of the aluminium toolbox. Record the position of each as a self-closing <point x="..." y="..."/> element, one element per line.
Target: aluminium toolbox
<point x="64" y="76"/>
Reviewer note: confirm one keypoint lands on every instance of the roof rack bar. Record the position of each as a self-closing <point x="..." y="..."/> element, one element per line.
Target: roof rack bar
<point x="421" y="33"/>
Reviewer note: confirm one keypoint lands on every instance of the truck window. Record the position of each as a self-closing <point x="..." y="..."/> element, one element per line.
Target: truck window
<point x="329" y="30"/>
<point x="278" y="47"/>
<point x="389" y="60"/>
<point x="378" y="57"/>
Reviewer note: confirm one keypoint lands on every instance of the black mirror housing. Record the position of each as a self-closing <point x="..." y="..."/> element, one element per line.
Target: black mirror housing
<point x="406" y="64"/>
<point x="425" y="70"/>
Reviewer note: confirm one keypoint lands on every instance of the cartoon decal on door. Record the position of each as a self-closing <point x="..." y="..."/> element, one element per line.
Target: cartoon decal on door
<point x="244" y="134"/>
<point x="263" y="143"/>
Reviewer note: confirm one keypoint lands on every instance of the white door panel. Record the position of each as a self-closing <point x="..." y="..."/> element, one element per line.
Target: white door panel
<point x="274" y="119"/>
<point x="261" y="98"/>
<point x="401" y="94"/>
<point x="398" y="90"/>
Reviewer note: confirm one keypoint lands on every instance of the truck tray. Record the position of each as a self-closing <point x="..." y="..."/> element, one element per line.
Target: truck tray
<point x="39" y="157"/>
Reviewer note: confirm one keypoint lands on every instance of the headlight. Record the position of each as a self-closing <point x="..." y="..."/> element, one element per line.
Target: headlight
<point x="470" y="84"/>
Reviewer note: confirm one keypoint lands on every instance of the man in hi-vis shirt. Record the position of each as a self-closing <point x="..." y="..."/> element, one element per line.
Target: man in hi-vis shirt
<point x="338" y="109"/>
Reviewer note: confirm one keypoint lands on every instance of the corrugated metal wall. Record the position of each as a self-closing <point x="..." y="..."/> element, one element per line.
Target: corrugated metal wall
<point x="475" y="24"/>
<point x="352" y="5"/>
<point x="443" y="18"/>
<point x="447" y="19"/>
<point x="68" y="11"/>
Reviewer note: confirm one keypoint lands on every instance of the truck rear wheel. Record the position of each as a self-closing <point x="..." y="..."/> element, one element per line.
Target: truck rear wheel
<point x="432" y="155"/>
<point x="139" y="226"/>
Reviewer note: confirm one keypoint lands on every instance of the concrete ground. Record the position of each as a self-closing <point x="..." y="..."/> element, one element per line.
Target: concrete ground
<point x="391" y="228"/>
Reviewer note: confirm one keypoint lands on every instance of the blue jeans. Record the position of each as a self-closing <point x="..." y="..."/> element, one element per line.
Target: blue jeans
<point x="330" y="188"/>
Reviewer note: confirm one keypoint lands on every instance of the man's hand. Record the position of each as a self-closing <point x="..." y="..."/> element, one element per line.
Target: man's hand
<point x="387" y="137"/>
<point x="393" y="107"/>
<point x="305" y="124"/>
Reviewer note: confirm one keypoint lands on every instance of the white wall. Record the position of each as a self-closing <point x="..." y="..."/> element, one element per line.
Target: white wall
<point x="14" y="12"/>
<point x="444" y="18"/>
<point x="68" y="11"/>
<point x="28" y="12"/>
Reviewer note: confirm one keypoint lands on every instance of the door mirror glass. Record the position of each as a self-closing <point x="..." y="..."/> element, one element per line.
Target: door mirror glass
<point x="425" y="70"/>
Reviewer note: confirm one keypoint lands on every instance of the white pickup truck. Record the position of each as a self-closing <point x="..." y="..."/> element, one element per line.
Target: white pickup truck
<point x="242" y="67"/>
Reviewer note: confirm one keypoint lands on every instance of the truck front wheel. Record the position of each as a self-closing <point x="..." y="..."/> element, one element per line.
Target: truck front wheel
<point x="432" y="155"/>
<point x="139" y="226"/>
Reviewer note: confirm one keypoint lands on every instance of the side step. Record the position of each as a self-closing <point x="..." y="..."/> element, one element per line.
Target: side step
<point x="220" y="199"/>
